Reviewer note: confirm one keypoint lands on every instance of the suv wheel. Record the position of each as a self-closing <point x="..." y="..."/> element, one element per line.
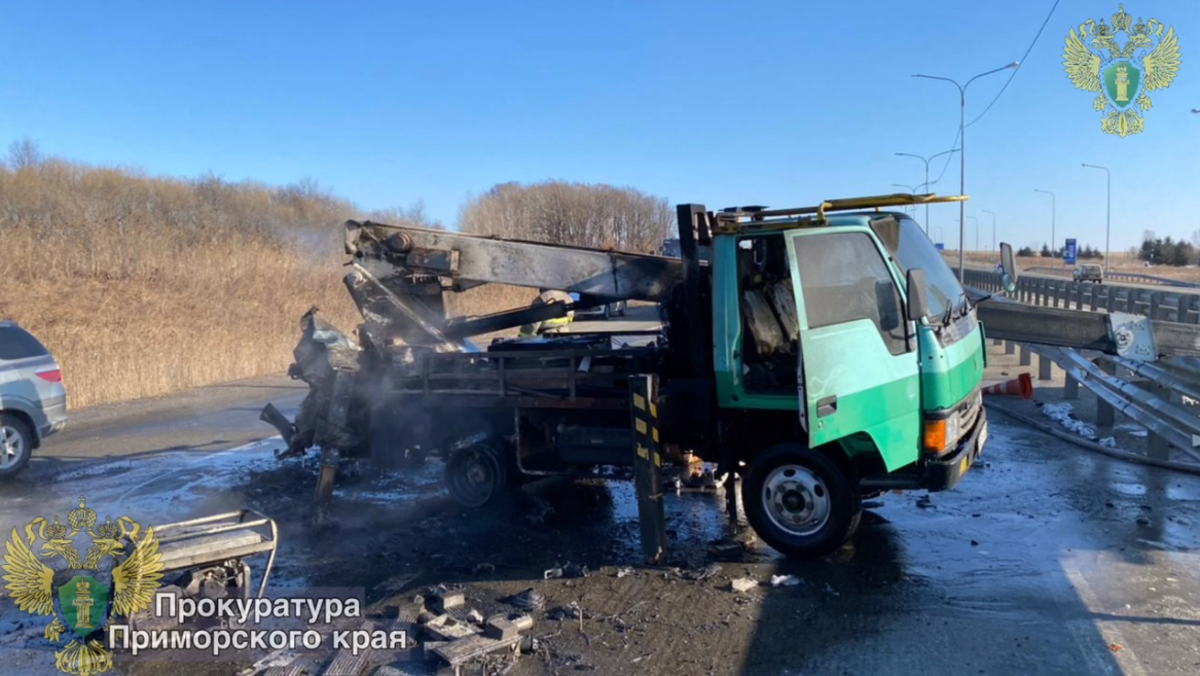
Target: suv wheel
<point x="16" y="444"/>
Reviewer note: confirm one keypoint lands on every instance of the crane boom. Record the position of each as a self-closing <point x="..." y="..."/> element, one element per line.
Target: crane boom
<point x="470" y="260"/>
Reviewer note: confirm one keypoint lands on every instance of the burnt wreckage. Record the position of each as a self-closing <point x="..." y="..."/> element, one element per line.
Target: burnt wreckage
<point x="412" y="385"/>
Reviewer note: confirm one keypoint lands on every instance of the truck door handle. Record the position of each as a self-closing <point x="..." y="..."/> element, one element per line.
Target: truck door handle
<point x="827" y="406"/>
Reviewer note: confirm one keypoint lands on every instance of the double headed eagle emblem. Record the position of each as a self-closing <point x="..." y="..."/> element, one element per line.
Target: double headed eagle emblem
<point x="1123" y="74"/>
<point x="82" y="594"/>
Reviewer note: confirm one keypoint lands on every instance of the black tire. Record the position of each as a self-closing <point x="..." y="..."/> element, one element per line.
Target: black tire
<point x="831" y="489"/>
<point x="479" y="475"/>
<point x="15" y="434"/>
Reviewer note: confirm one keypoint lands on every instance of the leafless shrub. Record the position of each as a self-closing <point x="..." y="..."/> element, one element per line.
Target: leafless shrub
<point x="598" y="216"/>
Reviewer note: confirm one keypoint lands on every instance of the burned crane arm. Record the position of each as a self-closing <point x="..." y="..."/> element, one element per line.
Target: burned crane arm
<point x="386" y="251"/>
<point x="390" y="315"/>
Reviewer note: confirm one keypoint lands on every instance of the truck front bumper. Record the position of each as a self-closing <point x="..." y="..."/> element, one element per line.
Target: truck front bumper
<point x="944" y="472"/>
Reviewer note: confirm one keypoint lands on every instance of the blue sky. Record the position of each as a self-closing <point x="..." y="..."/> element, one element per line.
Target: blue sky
<point x="777" y="103"/>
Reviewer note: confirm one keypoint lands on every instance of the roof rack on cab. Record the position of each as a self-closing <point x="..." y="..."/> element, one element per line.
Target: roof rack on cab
<point x="756" y="217"/>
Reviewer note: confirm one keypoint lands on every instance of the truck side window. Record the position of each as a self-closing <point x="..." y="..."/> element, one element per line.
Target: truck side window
<point x="768" y="308"/>
<point x="845" y="279"/>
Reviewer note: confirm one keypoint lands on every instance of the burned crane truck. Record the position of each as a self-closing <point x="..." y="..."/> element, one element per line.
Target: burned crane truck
<point x="824" y="354"/>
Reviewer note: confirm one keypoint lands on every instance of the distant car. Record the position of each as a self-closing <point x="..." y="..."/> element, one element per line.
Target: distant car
<point x="33" y="401"/>
<point x="1089" y="273"/>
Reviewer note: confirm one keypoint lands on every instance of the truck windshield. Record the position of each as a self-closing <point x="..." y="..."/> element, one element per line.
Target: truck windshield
<point x="911" y="248"/>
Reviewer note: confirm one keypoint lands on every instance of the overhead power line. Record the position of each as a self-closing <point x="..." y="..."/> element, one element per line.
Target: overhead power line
<point x="1014" y="73"/>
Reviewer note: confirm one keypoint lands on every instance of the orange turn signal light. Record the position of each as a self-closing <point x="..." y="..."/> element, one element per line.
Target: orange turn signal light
<point x="935" y="436"/>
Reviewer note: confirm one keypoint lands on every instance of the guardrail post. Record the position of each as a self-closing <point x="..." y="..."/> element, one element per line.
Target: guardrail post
<point x="1104" y="410"/>
<point x="1010" y="347"/>
<point x="1193" y="311"/>
<point x="1043" y="292"/>
<point x="1045" y="365"/>
<point x="1155" y="304"/>
<point x="1071" y="388"/>
<point x="1026" y="355"/>
<point x="1109" y="298"/>
<point x="1157" y="446"/>
<point x="1095" y="291"/>
<point x="1078" y="296"/>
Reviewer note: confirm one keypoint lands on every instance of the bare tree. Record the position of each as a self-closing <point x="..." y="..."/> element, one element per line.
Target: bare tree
<point x="24" y="154"/>
<point x="414" y="215"/>
<point x="598" y="216"/>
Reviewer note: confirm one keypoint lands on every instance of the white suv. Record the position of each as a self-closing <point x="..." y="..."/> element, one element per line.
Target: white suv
<point x="33" y="402"/>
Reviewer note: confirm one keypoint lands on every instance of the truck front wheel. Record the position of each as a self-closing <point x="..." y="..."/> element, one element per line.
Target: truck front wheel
<point x="800" y="501"/>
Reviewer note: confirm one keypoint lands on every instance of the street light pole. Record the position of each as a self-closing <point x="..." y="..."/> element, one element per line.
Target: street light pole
<point x="962" y="147"/>
<point x="927" y="160"/>
<point x="1053" y="217"/>
<point x="1108" y="210"/>
<point x="993" y="227"/>
<point x="976" y="231"/>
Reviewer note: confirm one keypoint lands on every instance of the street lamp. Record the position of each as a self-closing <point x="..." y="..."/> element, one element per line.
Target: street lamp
<point x="1108" y="210"/>
<point x="993" y="227"/>
<point x="1053" y="217"/>
<point x="962" y="147"/>
<point x="976" y="231"/>
<point x="926" y="160"/>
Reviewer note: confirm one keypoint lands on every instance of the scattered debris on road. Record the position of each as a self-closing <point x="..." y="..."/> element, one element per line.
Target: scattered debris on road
<point x="741" y="585"/>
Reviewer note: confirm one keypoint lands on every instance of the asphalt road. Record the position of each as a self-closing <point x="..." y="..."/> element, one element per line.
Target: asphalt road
<point x="952" y="261"/>
<point x="206" y="419"/>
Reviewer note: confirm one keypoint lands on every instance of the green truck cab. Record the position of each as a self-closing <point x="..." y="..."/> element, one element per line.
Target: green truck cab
<point x="854" y="322"/>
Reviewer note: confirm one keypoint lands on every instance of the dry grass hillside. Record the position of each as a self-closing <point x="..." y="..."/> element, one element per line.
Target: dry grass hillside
<point x="142" y="286"/>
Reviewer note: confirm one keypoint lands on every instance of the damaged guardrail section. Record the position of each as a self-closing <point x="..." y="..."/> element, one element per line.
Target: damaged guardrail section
<point x="1144" y="368"/>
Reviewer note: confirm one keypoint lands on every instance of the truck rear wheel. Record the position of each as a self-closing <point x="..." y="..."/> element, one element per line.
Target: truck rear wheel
<point x="800" y="501"/>
<point x="478" y="474"/>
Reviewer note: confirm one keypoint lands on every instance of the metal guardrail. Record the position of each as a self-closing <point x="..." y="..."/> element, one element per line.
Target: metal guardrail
<point x="1161" y="396"/>
<point x="1117" y="275"/>
<point x="1174" y="306"/>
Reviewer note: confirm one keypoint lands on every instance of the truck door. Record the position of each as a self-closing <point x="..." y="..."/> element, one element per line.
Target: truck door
<point x="859" y="370"/>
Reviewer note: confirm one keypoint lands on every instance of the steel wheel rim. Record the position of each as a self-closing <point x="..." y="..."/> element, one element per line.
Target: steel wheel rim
<point x="12" y="446"/>
<point x="796" y="500"/>
<point x="473" y="476"/>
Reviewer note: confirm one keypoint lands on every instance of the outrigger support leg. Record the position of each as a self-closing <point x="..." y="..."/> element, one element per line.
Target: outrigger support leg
<point x="647" y="465"/>
<point x="332" y="437"/>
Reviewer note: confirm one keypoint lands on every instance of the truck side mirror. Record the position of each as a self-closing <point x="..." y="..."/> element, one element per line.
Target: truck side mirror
<point x="918" y="298"/>
<point x="1008" y="268"/>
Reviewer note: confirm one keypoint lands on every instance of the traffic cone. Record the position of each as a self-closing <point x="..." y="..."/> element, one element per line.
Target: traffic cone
<point x="1021" y="386"/>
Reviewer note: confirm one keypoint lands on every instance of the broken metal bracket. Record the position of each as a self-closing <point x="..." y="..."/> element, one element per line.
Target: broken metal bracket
<point x="1133" y="335"/>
